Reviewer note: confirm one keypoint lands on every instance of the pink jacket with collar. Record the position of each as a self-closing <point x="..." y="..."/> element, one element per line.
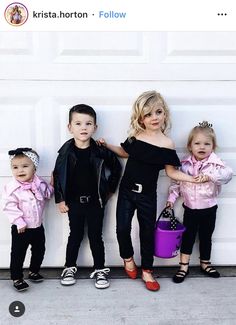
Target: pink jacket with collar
<point x="21" y="205"/>
<point x="201" y="195"/>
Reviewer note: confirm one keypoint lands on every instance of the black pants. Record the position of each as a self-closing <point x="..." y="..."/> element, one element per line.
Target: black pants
<point x="79" y="214"/>
<point x="20" y="242"/>
<point x="145" y="204"/>
<point x="200" y="221"/>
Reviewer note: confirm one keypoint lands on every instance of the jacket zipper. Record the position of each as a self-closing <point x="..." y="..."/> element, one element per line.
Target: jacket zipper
<point x="99" y="179"/>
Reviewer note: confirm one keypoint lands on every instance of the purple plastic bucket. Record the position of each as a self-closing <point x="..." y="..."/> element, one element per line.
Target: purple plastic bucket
<point x="167" y="241"/>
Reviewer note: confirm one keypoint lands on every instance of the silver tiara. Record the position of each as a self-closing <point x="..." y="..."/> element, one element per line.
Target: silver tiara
<point x="205" y="124"/>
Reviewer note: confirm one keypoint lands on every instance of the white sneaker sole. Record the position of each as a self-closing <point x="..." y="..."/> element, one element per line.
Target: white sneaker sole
<point x="102" y="286"/>
<point x="68" y="283"/>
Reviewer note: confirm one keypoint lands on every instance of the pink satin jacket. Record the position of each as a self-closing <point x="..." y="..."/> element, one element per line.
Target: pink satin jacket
<point x="201" y="195"/>
<point x="24" y="206"/>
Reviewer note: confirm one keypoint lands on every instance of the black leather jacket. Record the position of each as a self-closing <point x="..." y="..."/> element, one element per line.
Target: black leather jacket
<point x="103" y="161"/>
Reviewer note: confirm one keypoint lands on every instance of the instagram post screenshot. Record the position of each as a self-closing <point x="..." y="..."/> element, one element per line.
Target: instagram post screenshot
<point x="117" y="162"/>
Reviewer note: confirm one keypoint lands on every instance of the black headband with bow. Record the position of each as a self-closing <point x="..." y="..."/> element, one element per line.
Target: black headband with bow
<point x="18" y="151"/>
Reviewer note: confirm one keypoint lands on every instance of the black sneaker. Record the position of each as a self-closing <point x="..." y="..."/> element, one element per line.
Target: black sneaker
<point x="20" y="285"/>
<point x="101" y="281"/>
<point x="68" y="276"/>
<point x="35" y="277"/>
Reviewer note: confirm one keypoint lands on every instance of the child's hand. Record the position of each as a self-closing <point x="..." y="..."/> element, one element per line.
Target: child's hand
<point x="169" y="205"/>
<point x="21" y="230"/>
<point x="202" y="178"/>
<point x="101" y="142"/>
<point x="63" y="208"/>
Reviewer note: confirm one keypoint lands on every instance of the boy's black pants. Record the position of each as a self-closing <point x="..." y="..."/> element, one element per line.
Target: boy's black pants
<point x="20" y="242"/>
<point x="93" y="215"/>
<point x="201" y="221"/>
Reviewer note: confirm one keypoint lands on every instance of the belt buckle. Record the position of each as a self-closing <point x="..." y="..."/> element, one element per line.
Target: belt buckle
<point x="84" y="199"/>
<point x="140" y="188"/>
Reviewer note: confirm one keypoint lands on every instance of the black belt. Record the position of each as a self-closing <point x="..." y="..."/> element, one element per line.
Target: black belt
<point x="140" y="188"/>
<point x="83" y="199"/>
<point x="137" y="188"/>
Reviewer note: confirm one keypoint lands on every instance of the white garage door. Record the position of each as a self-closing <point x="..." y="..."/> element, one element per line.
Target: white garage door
<point x="43" y="74"/>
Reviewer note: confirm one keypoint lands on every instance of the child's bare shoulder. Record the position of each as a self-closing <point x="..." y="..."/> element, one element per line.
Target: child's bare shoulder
<point x="168" y="142"/>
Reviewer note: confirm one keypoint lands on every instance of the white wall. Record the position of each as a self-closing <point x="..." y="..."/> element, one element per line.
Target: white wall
<point x="43" y="74"/>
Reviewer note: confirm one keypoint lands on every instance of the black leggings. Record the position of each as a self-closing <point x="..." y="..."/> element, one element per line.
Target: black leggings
<point x="200" y="221"/>
<point x="145" y="204"/>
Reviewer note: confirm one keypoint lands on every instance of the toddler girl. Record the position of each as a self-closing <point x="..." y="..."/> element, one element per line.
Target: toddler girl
<point x="23" y="201"/>
<point x="200" y="203"/>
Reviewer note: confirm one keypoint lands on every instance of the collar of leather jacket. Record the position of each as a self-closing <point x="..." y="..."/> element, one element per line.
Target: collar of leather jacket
<point x="70" y="143"/>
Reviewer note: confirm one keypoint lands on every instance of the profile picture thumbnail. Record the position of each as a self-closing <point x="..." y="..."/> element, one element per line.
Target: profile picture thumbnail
<point x="16" y="14"/>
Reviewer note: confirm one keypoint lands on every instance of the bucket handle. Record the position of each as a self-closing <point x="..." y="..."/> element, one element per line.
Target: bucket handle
<point x="168" y="213"/>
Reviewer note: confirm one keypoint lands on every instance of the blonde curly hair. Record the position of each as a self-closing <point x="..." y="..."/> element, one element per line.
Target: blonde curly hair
<point x="143" y="106"/>
<point x="206" y="128"/>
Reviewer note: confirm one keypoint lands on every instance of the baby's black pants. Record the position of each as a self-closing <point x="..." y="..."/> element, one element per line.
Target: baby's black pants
<point x="20" y="242"/>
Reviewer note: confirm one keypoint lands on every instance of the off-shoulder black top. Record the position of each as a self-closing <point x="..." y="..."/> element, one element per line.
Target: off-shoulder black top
<point x="145" y="161"/>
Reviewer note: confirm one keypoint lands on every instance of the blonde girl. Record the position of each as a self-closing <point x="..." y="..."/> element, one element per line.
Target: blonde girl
<point x="200" y="200"/>
<point x="148" y="150"/>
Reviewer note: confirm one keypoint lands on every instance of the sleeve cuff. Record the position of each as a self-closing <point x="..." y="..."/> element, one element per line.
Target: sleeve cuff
<point x="20" y="223"/>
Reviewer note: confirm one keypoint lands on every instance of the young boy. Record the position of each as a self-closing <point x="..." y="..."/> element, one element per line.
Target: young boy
<point x="82" y="189"/>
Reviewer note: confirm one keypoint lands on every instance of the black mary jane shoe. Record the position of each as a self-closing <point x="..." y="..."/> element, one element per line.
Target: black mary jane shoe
<point x="209" y="270"/>
<point x="180" y="275"/>
<point x="35" y="277"/>
<point x="20" y="285"/>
